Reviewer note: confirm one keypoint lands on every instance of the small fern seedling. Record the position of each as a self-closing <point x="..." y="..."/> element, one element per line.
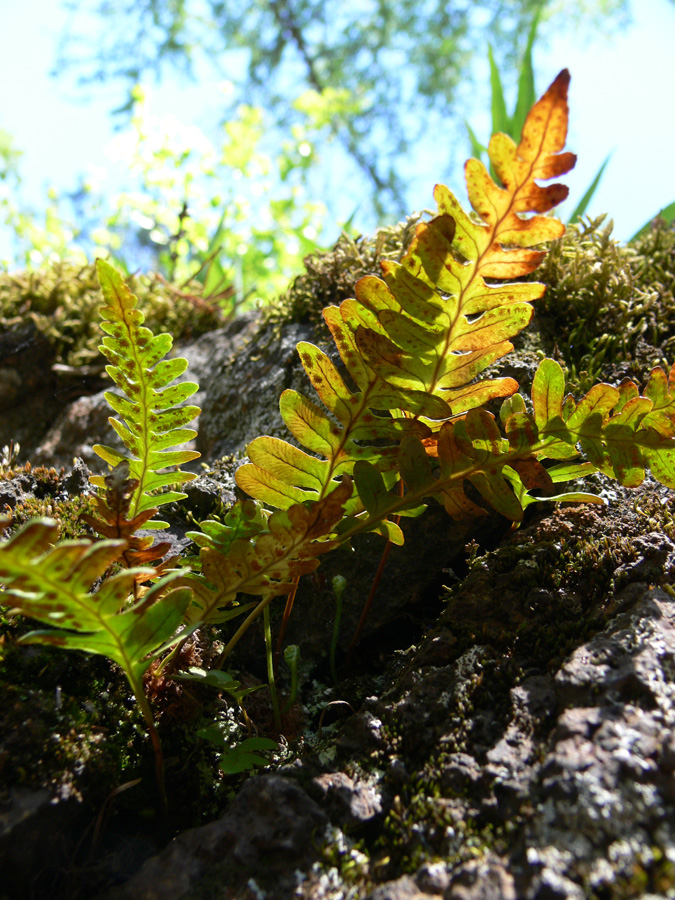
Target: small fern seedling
<point x="151" y="423"/>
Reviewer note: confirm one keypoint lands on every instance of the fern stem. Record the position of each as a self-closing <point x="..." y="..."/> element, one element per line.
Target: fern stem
<point x="376" y="580"/>
<point x="371" y="593"/>
<point x="270" y="667"/>
<point x="241" y="631"/>
<point x="369" y="522"/>
<point x="339" y="585"/>
<point x="287" y="614"/>
<point x="144" y="706"/>
<point x="292" y="657"/>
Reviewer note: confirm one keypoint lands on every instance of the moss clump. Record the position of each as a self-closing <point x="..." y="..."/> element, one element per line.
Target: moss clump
<point x="63" y="299"/>
<point x="66" y="720"/>
<point x="41" y="491"/>
<point x="609" y="308"/>
<point x="331" y="275"/>
<point x="66" y="513"/>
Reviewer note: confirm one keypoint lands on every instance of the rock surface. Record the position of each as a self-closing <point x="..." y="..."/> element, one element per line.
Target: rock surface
<point x="522" y="749"/>
<point x="270" y="830"/>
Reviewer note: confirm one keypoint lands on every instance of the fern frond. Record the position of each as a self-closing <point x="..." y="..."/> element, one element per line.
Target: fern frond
<point x="151" y="420"/>
<point x="252" y="553"/>
<point x="437" y="323"/>
<point x="415" y="343"/>
<point x="620" y="432"/>
<point x="52" y="584"/>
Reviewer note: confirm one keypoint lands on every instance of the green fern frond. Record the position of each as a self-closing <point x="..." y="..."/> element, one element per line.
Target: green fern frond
<point x="253" y="553"/>
<point x="151" y="420"/>
<point x="52" y="584"/>
<point x="620" y="432"/>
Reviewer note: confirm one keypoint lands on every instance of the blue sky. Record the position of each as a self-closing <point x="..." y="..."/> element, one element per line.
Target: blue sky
<point x="621" y="102"/>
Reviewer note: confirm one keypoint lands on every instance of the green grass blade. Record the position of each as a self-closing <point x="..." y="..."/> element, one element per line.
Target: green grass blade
<point x="500" y="117"/>
<point x="667" y="214"/>
<point x="588" y="196"/>
<point x="527" y="93"/>
<point x="479" y="150"/>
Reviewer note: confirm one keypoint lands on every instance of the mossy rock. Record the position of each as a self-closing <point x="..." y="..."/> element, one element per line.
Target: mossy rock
<point x="609" y="310"/>
<point x="330" y="275"/>
<point x="62" y="299"/>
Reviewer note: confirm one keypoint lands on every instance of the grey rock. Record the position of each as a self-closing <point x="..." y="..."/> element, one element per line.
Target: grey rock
<point x="83" y="423"/>
<point x="656" y="560"/>
<point x="403" y="888"/>
<point x="244" y="386"/>
<point x="70" y="425"/>
<point x="271" y="828"/>
<point x="33" y="827"/>
<point x="482" y="879"/>
<point x="16" y="490"/>
<point x="76" y="482"/>
<point x="603" y="792"/>
<point x="208" y="494"/>
<point x="31" y="396"/>
<point x="433" y="878"/>
<point x="361" y="732"/>
<point x="431" y="542"/>
<point x="580" y="772"/>
<point x="459" y="772"/>
<point x="353" y="803"/>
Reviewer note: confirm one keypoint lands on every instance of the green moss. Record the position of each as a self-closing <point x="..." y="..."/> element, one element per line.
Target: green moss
<point x="425" y="826"/>
<point x="654" y="876"/>
<point x="609" y="303"/>
<point x="66" y="720"/>
<point x="351" y="858"/>
<point x="331" y="275"/>
<point x="63" y="300"/>
<point x="67" y="514"/>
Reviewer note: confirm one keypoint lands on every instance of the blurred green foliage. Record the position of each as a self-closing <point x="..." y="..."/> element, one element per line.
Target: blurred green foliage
<point x="404" y="68"/>
<point x="236" y="215"/>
